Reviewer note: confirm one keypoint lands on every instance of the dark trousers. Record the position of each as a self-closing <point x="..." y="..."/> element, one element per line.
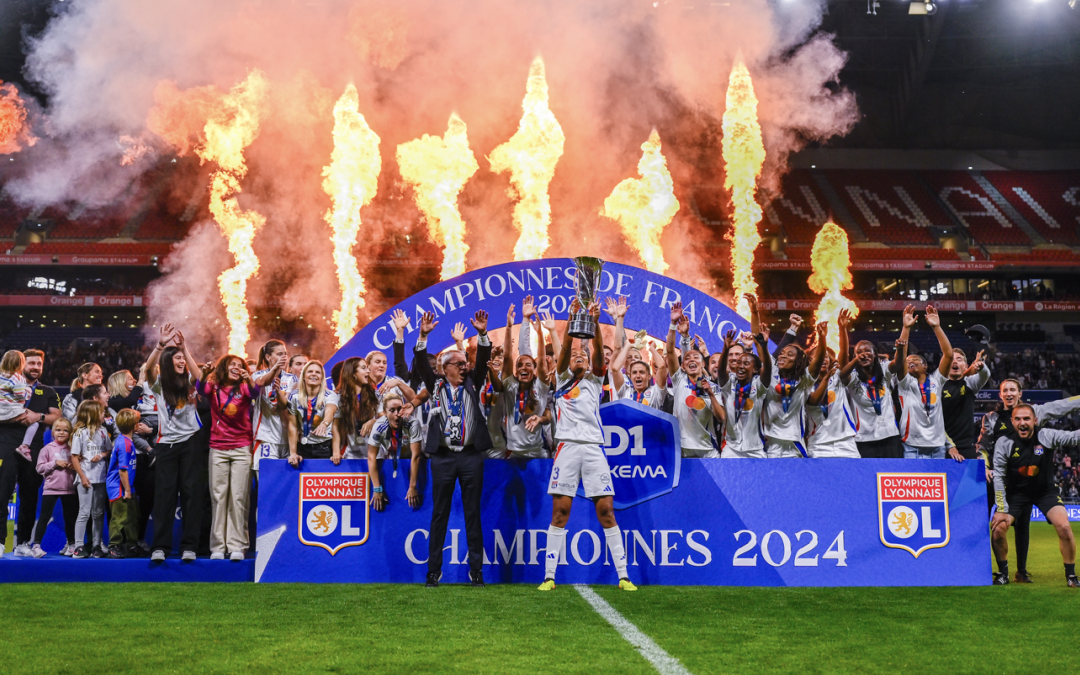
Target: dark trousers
<point x="886" y="448"/>
<point x="70" y="505"/>
<point x="447" y="469"/>
<point x="14" y="469"/>
<point x="145" y="478"/>
<point x="178" y="469"/>
<point x="9" y="476"/>
<point x="324" y="450"/>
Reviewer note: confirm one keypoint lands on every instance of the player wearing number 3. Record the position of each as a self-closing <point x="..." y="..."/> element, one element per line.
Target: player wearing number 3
<point x="579" y="451"/>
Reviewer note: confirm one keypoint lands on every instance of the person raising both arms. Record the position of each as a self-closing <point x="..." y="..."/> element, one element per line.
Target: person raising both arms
<point x="392" y="432"/>
<point x="270" y="369"/>
<point x="785" y="400"/>
<point x="638" y="384"/>
<point x="876" y="434"/>
<point x="525" y="396"/>
<point x="831" y="428"/>
<point x="1024" y="477"/>
<point x="922" y="429"/>
<point x="696" y="399"/>
<point x="744" y="397"/>
<point x="579" y="453"/>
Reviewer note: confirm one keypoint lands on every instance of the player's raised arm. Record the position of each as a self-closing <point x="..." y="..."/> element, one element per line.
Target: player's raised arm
<point x="508" y="345"/>
<point x="676" y="317"/>
<point x="562" y="357"/>
<point x="934" y="321"/>
<point x="898" y="366"/>
<point x="822" y="330"/>
<point x="598" y="341"/>
<point x="722" y="371"/>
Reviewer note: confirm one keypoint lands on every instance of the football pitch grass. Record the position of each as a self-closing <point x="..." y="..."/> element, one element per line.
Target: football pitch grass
<point x="302" y="628"/>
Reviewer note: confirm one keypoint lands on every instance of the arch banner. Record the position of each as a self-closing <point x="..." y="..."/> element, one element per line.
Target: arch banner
<point x="551" y="283"/>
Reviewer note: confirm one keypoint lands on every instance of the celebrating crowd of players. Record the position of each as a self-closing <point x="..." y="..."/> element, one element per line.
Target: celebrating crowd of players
<point x="196" y="427"/>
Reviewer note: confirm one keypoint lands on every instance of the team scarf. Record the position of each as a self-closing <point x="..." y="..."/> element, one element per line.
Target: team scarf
<point x="786" y="389"/>
<point x="519" y="405"/>
<point x="639" y="397"/>
<point x="742" y="393"/>
<point x="873" y="393"/>
<point x="455" y="404"/>
<point x="926" y="400"/>
<point x="567" y="389"/>
<point x="487" y="397"/>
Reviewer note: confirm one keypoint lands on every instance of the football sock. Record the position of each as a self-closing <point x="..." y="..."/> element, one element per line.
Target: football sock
<point x="1003" y="567"/>
<point x="1070" y="569"/>
<point x="613" y="535"/>
<point x="555" y="540"/>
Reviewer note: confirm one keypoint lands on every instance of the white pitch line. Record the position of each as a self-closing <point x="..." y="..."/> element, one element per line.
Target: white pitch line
<point x="665" y="663"/>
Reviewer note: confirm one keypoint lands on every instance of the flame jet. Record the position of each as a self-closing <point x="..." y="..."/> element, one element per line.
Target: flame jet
<point x="831" y="265"/>
<point x="644" y="206"/>
<point x="530" y="156"/>
<point x="744" y="154"/>
<point x="231" y="128"/>
<point x="437" y="169"/>
<point x="351" y="179"/>
<point x="14" y="129"/>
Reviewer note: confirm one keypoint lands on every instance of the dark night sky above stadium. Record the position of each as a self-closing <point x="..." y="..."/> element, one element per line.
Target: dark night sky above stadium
<point x="977" y="74"/>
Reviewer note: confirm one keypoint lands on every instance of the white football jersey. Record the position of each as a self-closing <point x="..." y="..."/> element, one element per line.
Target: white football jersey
<point x="832" y="420"/>
<point x="743" y="405"/>
<point x="577" y="408"/>
<point x="874" y="424"/>
<point x="383" y="438"/>
<point x="653" y="396"/>
<point x="267" y="421"/>
<point x="921" y="422"/>
<point x="785" y="400"/>
<point x="694" y="413"/>
<point x="516" y="410"/>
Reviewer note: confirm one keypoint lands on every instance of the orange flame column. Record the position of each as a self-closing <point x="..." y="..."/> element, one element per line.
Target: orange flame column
<point x="351" y="179"/>
<point x="530" y="156"/>
<point x="14" y="129"/>
<point x="831" y="264"/>
<point x="229" y="130"/>
<point x="744" y="155"/>
<point x="644" y="206"/>
<point x="437" y="169"/>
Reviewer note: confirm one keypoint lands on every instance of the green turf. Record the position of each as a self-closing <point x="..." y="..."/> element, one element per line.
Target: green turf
<point x="54" y="628"/>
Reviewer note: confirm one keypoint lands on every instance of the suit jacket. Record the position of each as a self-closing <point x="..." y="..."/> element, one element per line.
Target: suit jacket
<point x="401" y="366"/>
<point x="481" y="438"/>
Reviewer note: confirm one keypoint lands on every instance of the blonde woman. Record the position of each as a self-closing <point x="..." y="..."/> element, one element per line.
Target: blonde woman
<point x="311" y="411"/>
<point x="88" y="373"/>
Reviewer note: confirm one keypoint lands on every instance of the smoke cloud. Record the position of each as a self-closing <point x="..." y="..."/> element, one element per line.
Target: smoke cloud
<point x="615" y="70"/>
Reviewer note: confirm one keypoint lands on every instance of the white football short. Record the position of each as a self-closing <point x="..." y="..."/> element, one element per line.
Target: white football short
<point x="264" y="450"/>
<point x="581" y="462"/>
<point x="733" y="452"/>
<point x="699" y="453"/>
<point x="778" y="448"/>
<point x="843" y="448"/>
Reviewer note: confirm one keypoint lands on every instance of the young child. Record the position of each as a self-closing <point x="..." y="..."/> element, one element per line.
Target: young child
<point x="14" y="393"/>
<point x="54" y="463"/>
<point x="89" y="454"/>
<point x="124" y="525"/>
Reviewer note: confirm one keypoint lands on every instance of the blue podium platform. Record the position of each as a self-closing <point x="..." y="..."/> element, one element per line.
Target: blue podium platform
<point x="57" y="568"/>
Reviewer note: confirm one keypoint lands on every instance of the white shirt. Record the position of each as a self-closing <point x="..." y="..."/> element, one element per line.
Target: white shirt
<point x="742" y="432"/>
<point x="921" y="422"/>
<point x="86" y="446"/>
<point x="789" y="424"/>
<point x="653" y="396"/>
<point x="578" y="408"/>
<point x="869" y="425"/>
<point x="518" y="438"/>
<point x="694" y="412"/>
<point x="382" y="438"/>
<point x="839" y="423"/>
<point x="178" y="424"/>
<point x="267" y="420"/>
<point x="309" y="417"/>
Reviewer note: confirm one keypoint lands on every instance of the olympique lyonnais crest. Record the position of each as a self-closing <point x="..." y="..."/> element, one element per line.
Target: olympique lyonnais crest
<point x="913" y="511"/>
<point x="333" y="510"/>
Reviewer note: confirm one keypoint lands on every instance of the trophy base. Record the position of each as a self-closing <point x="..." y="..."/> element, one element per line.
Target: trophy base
<point x="582" y="326"/>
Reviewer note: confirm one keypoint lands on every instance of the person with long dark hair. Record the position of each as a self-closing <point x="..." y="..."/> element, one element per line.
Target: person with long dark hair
<point x="922" y="427"/>
<point x="358" y="405"/>
<point x="275" y="386"/>
<point x="523" y="396"/>
<point x="877" y="435"/>
<point x="177" y="466"/>
<point x="231" y="392"/>
<point x="785" y="399"/>
<point x="87" y="374"/>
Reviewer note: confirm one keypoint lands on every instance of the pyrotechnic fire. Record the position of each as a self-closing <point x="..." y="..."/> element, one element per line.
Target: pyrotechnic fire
<point x="530" y="156"/>
<point x="744" y="154"/>
<point x="437" y="169"/>
<point x="230" y="129"/>
<point x="830" y="262"/>
<point x="14" y="131"/>
<point x="351" y="179"/>
<point x="644" y="206"/>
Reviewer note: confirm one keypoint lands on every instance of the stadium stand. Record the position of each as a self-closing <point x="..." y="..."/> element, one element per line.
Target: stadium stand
<point x="800" y="209"/>
<point x="974" y="209"/>
<point x="891" y="207"/>
<point x="1050" y="201"/>
<point x="97" y="248"/>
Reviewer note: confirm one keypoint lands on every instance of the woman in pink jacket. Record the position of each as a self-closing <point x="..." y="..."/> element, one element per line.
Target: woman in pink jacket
<point x="54" y="463"/>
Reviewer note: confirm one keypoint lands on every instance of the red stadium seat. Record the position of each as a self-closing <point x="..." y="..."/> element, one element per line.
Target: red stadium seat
<point x="891" y="207"/>
<point x="974" y="209"/>
<point x="1050" y="201"/>
<point x="801" y="208"/>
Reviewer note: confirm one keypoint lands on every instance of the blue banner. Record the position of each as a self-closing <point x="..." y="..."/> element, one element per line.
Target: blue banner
<point x="827" y="522"/>
<point x="551" y="283"/>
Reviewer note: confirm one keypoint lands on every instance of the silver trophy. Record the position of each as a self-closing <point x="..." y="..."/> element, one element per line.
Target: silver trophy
<point x="586" y="285"/>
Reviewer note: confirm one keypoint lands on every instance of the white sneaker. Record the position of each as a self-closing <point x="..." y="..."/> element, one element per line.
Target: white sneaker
<point x="236" y="556"/>
<point x="157" y="556"/>
<point x="217" y="556"/>
<point x="38" y="552"/>
<point x="188" y="556"/>
<point x="2" y="549"/>
<point x="23" y="551"/>
<point x="68" y="550"/>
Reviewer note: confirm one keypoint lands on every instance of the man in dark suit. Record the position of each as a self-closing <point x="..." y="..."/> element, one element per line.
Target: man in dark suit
<point x="457" y="442"/>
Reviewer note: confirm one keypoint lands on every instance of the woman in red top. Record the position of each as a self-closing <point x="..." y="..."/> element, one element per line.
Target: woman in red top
<point x="231" y="392"/>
